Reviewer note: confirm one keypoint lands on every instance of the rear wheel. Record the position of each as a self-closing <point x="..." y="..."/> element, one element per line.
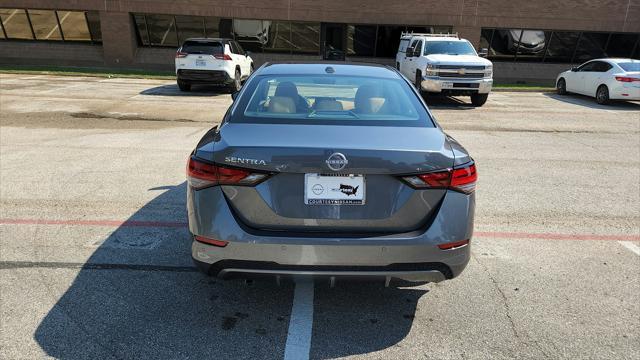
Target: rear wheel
<point x="602" y="95"/>
<point x="479" y="99"/>
<point x="184" y="86"/>
<point x="561" y="87"/>
<point x="237" y="82"/>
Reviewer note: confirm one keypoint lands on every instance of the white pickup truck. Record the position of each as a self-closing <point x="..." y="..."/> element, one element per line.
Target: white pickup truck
<point x="446" y="64"/>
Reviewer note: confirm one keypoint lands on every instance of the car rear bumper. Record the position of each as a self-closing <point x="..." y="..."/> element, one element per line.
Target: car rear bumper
<point x="436" y="85"/>
<point x="625" y="91"/>
<point x="410" y="262"/>
<point x="204" y="76"/>
<point x="413" y="256"/>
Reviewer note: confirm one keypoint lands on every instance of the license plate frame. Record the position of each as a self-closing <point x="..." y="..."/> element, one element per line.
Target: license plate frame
<point x="447" y="85"/>
<point x="201" y="62"/>
<point x="334" y="189"/>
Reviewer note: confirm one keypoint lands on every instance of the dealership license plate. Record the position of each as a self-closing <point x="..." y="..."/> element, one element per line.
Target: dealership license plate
<point x="447" y="85"/>
<point x="320" y="189"/>
<point x="201" y="62"/>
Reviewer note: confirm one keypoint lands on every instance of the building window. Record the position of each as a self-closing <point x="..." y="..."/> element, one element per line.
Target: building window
<point x="93" y="20"/>
<point x="45" y="24"/>
<point x="162" y="30"/>
<point x="305" y="38"/>
<point x="16" y="24"/>
<point x="274" y="36"/>
<point x="591" y="46"/>
<point x="531" y="45"/>
<point x="74" y="25"/>
<point x="361" y="40"/>
<point x="190" y="27"/>
<point x="621" y="45"/>
<point x="50" y="25"/>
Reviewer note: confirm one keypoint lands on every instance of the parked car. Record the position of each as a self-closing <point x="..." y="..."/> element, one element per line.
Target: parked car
<point x="330" y="170"/>
<point x="446" y="64"/>
<point x="213" y="61"/>
<point x="604" y="79"/>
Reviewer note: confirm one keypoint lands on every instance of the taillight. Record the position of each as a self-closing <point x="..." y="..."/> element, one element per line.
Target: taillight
<point x="222" y="56"/>
<point x="201" y="175"/>
<point x="462" y="179"/>
<point x="626" y="79"/>
<point x="180" y="55"/>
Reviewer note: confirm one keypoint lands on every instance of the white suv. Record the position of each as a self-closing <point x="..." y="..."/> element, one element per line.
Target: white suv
<point x="212" y="61"/>
<point x="444" y="63"/>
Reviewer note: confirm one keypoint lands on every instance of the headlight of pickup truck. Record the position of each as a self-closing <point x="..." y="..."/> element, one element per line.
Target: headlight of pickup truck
<point x="432" y="70"/>
<point x="488" y="71"/>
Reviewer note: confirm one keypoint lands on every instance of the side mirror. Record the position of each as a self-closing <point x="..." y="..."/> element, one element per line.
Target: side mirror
<point x="409" y="52"/>
<point x="483" y="52"/>
<point x="574" y="69"/>
<point x="234" y="95"/>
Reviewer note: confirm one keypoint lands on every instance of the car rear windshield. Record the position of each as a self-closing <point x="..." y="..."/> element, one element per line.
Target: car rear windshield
<point x="330" y="99"/>
<point x="630" y="66"/>
<point x="449" y="48"/>
<point x="203" y="47"/>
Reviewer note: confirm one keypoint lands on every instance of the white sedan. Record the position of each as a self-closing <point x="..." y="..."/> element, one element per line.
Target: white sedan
<point x="604" y="79"/>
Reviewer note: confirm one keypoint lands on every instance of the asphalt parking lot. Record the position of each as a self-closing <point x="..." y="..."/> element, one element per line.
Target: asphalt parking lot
<point x="95" y="255"/>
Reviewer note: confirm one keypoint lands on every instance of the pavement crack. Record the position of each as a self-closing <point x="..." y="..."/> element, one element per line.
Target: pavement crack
<point x="507" y="310"/>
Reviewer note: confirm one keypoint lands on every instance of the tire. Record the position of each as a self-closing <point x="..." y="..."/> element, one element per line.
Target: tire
<point x="237" y="82"/>
<point x="418" y="81"/>
<point x="561" y="87"/>
<point x="184" y="86"/>
<point x="479" y="99"/>
<point x="602" y="95"/>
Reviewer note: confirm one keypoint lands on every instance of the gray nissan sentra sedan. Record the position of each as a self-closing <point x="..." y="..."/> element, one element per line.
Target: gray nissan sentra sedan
<point x="332" y="170"/>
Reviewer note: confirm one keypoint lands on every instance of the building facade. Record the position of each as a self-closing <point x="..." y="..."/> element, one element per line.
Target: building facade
<point x="529" y="41"/>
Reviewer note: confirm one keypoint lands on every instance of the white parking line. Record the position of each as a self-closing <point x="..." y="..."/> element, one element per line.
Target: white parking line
<point x="631" y="246"/>
<point x="301" y="322"/>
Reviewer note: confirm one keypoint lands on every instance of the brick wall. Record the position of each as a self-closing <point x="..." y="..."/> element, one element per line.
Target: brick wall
<point x="50" y="53"/>
<point x="466" y="16"/>
<point x="605" y="15"/>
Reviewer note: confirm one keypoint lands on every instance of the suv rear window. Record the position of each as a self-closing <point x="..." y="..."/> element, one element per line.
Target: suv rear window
<point x="330" y="99"/>
<point x="630" y="66"/>
<point x="203" y="47"/>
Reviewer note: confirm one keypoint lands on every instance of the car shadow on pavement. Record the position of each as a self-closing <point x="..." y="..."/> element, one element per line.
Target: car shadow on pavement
<point x="139" y="296"/>
<point x="447" y="102"/>
<point x="196" y="90"/>
<point x="590" y="102"/>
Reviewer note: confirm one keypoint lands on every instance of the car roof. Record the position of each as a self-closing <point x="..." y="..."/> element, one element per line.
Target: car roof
<point x="320" y="68"/>
<point x="208" y="39"/>
<point x="615" y="60"/>
<point x="433" y="38"/>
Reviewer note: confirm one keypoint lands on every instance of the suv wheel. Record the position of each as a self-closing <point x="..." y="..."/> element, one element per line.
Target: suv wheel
<point x="602" y="95"/>
<point x="237" y="82"/>
<point x="561" y="87"/>
<point x="479" y="99"/>
<point x="184" y="86"/>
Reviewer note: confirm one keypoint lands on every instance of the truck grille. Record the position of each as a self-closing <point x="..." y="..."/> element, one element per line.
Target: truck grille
<point x="457" y="67"/>
<point x="461" y="72"/>
<point x="462" y="76"/>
